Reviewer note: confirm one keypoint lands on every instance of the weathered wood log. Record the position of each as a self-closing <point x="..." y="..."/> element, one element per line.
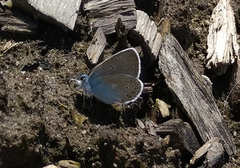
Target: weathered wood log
<point x="211" y="154"/>
<point x="105" y="13"/>
<point x="222" y="38"/>
<point x="181" y="135"/>
<point x="62" y="13"/>
<point x="146" y="30"/>
<point x="17" y="22"/>
<point x="192" y="92"/>
<point x="97" y="46"/>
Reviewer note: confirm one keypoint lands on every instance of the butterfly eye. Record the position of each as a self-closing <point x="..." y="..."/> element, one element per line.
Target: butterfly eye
<point x="82" y="77"/>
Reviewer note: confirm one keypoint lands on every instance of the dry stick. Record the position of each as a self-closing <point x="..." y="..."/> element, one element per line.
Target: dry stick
<point x="225" y="102"/>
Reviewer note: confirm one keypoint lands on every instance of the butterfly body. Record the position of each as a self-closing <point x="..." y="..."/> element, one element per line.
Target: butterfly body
<point x="115" y="80"/>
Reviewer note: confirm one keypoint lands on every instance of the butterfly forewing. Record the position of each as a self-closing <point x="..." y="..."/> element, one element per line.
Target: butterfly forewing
<point x="124" y="62"/>
<point x="117" y="88"/>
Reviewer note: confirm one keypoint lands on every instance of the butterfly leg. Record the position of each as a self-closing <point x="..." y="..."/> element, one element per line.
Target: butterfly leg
<point x="83" y="98"/>
<point x="91" y="101"/>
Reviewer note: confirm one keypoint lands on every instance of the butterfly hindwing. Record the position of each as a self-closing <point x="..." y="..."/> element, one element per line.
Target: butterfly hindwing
<point x="117" y="88"/>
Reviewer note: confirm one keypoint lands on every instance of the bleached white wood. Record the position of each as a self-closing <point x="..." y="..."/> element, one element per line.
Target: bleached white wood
<point x="162" y="108"/>
<point x="222" y="38"/>
<point x="60" y="12"/>
<point x="97" y="46"/>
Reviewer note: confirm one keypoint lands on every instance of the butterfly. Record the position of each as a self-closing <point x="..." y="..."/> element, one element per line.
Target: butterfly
<point x="115" y="80"/>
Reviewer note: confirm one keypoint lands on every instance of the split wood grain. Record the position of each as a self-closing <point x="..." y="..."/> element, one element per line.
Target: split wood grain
<point x="146" y="30"/>
<point x="193" y="93"/>
<point x="59" y="12"/>
<point x="105" y="14"/>
<point x="222" y="38"/>
<point x="17" y="22"/>
<point x="97" y="46"/>
<point x="210" y="155"/>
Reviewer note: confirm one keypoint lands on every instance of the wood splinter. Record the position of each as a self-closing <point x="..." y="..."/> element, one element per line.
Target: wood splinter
<point x="222" y="38"/>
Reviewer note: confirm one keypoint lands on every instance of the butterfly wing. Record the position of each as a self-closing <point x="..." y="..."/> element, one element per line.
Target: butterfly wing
<point x="116" y="89"/>
<point x="124" y="62"/>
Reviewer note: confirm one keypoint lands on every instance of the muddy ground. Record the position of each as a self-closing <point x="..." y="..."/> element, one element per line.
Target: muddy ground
<point x="42" y="116"/>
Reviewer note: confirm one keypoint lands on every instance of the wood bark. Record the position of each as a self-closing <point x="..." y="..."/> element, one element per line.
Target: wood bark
<point x="147" y="30"/>
<point x="105" y="14"/>
<point x="181" y="135"/>
<point x="193" y="93"/>
<point x="17" y="22"/>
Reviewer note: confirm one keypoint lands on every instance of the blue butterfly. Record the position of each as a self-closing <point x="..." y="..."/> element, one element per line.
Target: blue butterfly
<point x="115" y="80"/>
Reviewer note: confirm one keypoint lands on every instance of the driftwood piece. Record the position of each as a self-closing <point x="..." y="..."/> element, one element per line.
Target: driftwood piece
<point x="62" y="13"/>
<point x="97" y="46"/>
<point x="105" y="14"/>
<point x="211" y="154"/>
<point x="181" y="135"/>
<point x="222" y="38"/>
<point x="147" y="30"/>
<point x="17" y="22"/>
<point x="194" y="96"/>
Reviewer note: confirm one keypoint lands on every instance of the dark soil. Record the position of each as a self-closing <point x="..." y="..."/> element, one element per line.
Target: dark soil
<point x="42" y="116"/>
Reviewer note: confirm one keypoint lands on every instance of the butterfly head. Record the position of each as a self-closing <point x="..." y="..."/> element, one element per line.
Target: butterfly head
<point x="81" y="82"/>
<point x="82" y="77"/>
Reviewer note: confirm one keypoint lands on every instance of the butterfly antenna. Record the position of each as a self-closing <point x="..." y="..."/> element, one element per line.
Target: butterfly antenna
<point x="225" y="102"/>
<point x="69" y="83"/>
